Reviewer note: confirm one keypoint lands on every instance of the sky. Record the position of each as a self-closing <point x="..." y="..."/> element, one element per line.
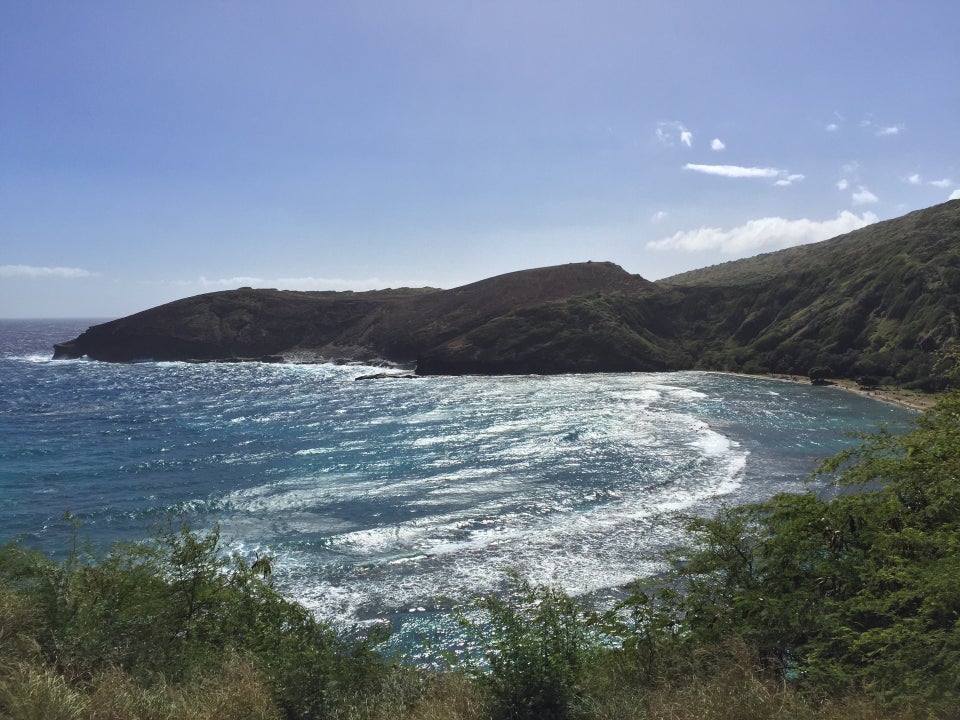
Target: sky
<point x="154" y="150"/>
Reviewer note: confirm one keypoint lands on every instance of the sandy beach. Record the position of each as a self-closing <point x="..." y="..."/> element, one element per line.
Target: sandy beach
<point x="904" y="398"/>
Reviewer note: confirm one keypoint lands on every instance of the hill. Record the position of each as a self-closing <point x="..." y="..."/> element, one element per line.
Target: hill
<point x="881" y="301"/>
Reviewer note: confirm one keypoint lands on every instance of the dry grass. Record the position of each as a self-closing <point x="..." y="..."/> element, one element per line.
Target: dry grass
<point x="35" y="693"/>
<point x="234" y="692"/>
<point x="31" y="693"/>
<point x="411" y="695"/>
<point x="734" y="692"/>
<point x="17" y="622"/>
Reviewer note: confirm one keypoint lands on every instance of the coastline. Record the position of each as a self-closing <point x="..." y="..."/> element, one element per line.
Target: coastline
<point x="904" y="398"/>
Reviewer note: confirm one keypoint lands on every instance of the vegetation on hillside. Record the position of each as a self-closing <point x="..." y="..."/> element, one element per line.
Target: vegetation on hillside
<point x="800" y="607"/>
<point x="881" y="301"/>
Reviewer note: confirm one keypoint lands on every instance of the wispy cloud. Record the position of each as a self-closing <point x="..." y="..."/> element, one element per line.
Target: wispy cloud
<point x="734" y="171"/>
<point x="318" y="283"/>
<point x="783" y="178"/>
<point x="832" y="127"/>
<point x="231" y="282"/>
<point x="763" y="233"/>
<point x="286" y="283"/>
<point x="790" y="180"/>
<point x="717" y="145"/>
<point x="670" y="132"/>
<point x="35" y="271"/>
<point x="914" y="179"/>
<point x="881" y="130"/>
<point x="659" y="216"/>
<point x="863" y="196"/>
<point x="944" y="183"/>
<point x="843" y="184"/>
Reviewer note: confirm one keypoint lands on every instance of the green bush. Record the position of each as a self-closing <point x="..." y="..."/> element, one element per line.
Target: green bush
<point x="538" y="645"/>
<point x="860" y="592"/>
<point x="819" y="374"/>
<point x="173" y="610"/>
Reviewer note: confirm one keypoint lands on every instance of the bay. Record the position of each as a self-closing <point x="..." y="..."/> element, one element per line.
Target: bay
<point x="392" y="500"/>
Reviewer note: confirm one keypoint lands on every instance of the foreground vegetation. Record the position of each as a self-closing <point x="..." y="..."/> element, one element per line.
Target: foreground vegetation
<point x="800" y="607"/>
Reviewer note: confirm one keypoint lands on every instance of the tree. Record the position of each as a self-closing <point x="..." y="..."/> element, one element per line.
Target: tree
<point x="862" y="590"/>
<point x="818" y="374"/>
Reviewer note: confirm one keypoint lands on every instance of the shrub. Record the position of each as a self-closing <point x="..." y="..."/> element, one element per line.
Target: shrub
<point x="538" y="645"/>
<point x="175" y="609"/>
<point x="858" y="592"/>
<point x="819" y="374"/>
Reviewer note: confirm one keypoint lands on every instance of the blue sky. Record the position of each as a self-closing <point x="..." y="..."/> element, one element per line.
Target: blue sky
<point x="150" y="151"/>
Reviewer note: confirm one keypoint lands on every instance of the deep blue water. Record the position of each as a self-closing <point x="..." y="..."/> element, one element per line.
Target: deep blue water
<point x="379" y="498"/>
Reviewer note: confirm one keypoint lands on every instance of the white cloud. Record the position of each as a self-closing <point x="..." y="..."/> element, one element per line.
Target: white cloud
<point x="955" y="195"/>
<point x="316" y="283"/>
<point x="832" y="127"/>
<point x="659" y="216"/>
<point x="233" y="282"/>
<point x="864" y="197"/>
<point x="843" y="184"/>
<point x="789" y="180"/>
<point x="944" y="183"/>
<point x="881" y="130"/>
<point x="783" y="178"/>
<point x="717" y="145"/>
<point x="734" y="171"/>
<point x="34" y="271"/>
<point x="914" y="179"/>
<point x="670" y="132"/>
<point x="763" y="233"/>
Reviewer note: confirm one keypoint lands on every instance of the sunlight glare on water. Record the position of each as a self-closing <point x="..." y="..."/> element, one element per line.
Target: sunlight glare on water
<point x="392" y="498"/>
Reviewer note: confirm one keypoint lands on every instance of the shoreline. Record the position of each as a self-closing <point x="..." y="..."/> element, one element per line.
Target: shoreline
<point x="903" y="398"/>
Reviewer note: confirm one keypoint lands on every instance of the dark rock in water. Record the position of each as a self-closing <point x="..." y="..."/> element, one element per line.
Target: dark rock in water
<point x="69" y="350"/>
<point x="880" y="301"/>
<point x="388" y="376"/>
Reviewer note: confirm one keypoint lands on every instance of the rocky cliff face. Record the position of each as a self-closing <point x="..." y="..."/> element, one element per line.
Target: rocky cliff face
<point x="883" y="301"/>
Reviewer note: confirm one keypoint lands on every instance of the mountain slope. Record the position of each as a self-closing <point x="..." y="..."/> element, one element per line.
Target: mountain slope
<point x="881" y="301"/>
<point x="392" y="325"/>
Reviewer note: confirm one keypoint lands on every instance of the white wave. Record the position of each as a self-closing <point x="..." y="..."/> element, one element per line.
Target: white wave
<point x="473" y="499"/>
<point x="37" y="358"/>
<point x="712" y="443"/>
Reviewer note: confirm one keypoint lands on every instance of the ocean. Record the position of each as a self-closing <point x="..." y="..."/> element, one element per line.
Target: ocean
<point x="395" y="500"/>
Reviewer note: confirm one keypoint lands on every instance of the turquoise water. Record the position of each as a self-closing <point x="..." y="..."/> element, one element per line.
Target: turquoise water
<point x="390" y="499"/>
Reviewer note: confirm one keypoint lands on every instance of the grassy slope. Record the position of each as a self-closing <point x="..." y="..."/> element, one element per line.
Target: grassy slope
<point x="879" y="301"/>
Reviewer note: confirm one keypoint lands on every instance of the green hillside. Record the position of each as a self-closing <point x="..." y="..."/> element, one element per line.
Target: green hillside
<point x="881" y="302"/>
